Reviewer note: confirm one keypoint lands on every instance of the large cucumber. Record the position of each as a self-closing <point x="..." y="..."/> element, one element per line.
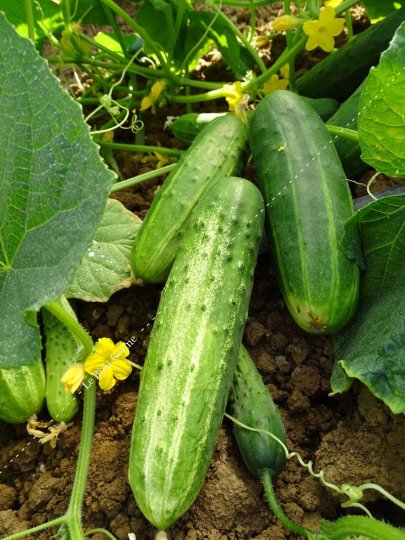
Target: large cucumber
<point x="61" y="352"/>
<point x="251" y="404"/>
<point x="344" y="70"/>
<point x="22" y="392"/>
<point x="308" y="201"/>
<point x="193" y="350"/>
<point x="348" y="150"/>
<point x="216" y="151"/>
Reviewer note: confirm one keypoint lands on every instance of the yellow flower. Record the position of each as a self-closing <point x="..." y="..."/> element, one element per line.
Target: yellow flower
<point x="285" y="22"/>
<point x="333" y="3"/>
<point x="73" y="378"/>
<point x="154" y="95"/>
<point x="274" y="83"/>
<point x="321" y="32"/>
<point x="261" y="41"/>
<point x="236" y="99"/>
<point x="285" y="71"/>
<point x="66" y="42"/>
<point x="108" y="363"/>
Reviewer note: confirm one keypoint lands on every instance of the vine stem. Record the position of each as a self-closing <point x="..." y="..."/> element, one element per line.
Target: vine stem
<point x="276" y="508"/>
<point x="141" y="148"/>
<point x="74" y="512"/>
<point x="142" y="178"/>
<point x="30" y="19"/>
<point x="351" y="134"/>
<point x="360" y="526"/>
<point x="53" y="523"/>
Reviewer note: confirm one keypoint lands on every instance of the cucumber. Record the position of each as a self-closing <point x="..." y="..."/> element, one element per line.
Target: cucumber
<point x="340" y="73"/>
<point x="251" y="404"/>
<point x="22" y="392"/>
<point x="216" y="151"/>
<point x="61" y="353"/>
<point x="187" y="126"/>
<point x="308" y="201"/>
<point x="193" y="350"/>
<point x="348" y="150"/>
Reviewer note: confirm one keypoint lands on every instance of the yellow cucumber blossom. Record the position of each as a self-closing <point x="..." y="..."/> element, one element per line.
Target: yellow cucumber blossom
<point x="285" y="71"/>
<point x="162" y="158"/>
<point x="73" y="377"/>
<point x="35" y="429"/>
<point x="275" y="83"/>
<point x="108" y="363"/>
<point x="333" y="3"/>
<point x="322" y="31"/>
<point x="66" y="43"/>
<point x="236" y="99"/>
<point x="261" y="41"/>
<point x="154" y="94"/>
<point x="285" y="22"/>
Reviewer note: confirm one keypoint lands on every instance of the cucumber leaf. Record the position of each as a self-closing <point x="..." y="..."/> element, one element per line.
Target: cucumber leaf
<point x="372" y="347"/>
<point x="381" y="122"/>
<point x="379" y="9"/>
<point x="158" y="19"/>
<point x="53" y="188"/>
<point x="106" y="266"/>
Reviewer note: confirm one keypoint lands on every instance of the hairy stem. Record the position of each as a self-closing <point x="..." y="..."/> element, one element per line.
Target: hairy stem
<point x="360" y="526"/>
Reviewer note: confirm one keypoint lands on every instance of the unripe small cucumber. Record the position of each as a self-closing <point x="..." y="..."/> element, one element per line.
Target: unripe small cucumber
<point x="193" y="350"/>
<point x="348" y="150"/>
<point x="340" y="73"/>
<point x="251" y="404"/>
<point x="216" y="152"/>
<point x="61" y="352"/>
<point x="308" y="202"/>
<point x="22" y="392"/>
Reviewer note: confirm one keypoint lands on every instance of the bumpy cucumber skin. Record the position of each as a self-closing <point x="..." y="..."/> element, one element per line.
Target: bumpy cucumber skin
<point x="216" y="152"/>
<point x="22" y="392"/>
<point x="251" y="404"/>
<point x="193" y="350"/>
<point x="187" y="126"/>
<point x="340" y="73"/>
<point x="61" y="352"/>
<point x="308" y="201"/>
<point x="348" y="150"/>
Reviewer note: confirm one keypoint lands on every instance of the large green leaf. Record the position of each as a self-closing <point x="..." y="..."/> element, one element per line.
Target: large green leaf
<point x="381" y="121"/>
<point x="53" y="190"/>
<point x="378" y="9"/>
<point x="106" y="266"/>
<point x="158" y="19"/>
<point x="372" y="347"/>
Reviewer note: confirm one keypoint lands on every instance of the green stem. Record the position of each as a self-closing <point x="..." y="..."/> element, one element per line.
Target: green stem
<point x="145" y="36"/>
<point x="258" y="3"/>
<point x="142" y="178"/>
<point x="103" y="531"/>
<point x="349" y="25"/>
<point x="61" y="312"/>
<point x="360" y="526"/>
<point x="117" y="30"/>
<point x="345" y="5"/>
<point x="141" y="148"/>
<point x="30" y="19"/>
<point x="74" y="512"/>
<point x="254" y="54"/>
<point x="38" y="528"/>
<point x="343" y="132"/>
<point x="277" y="510"/>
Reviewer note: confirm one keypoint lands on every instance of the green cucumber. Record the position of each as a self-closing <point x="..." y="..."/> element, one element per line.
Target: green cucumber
<point x="187" y="126"/>
<point x="216" y="152"/>
<point x="340" y="73"/>
<point x="348" y="150"/>
<point x="22" y="392"/>
<point x="61" y="352"/>
<point x="251" y="404"/>
<point x="308" y="201"/>
<point x="193" y="351"/>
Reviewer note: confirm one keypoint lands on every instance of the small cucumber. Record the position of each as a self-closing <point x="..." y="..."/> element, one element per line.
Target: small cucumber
<point x="187" y="126"/>
<point x="308" y="201"/>
<point x="22" y="392"/>
<point x="61" y="352"/>
<point x="216" y="152"/>
<point x="251" y="404"/>
<point x="340" y="73"/>
<point x="348" y="150"/>
<point x="193" y="350"/>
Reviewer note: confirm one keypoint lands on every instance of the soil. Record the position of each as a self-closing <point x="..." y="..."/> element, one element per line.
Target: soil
<point x="354" y="438"/>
